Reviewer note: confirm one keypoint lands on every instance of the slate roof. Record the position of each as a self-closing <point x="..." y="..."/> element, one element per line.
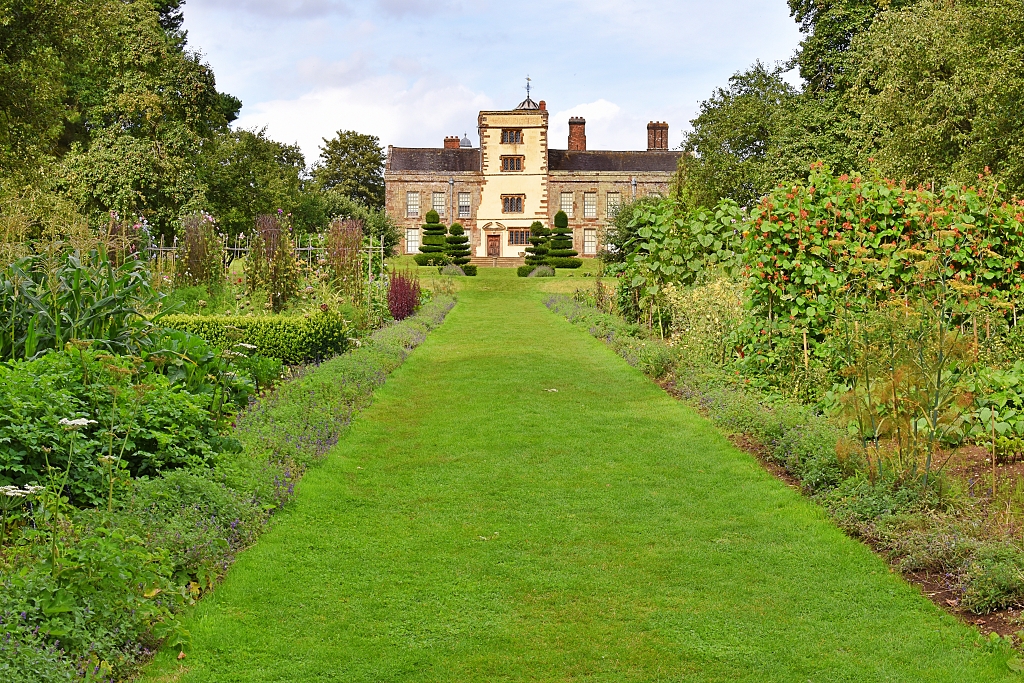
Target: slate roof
<point x="434" y="159"/>
<point x="599" y="160"/>
<point x="463" y="160"/>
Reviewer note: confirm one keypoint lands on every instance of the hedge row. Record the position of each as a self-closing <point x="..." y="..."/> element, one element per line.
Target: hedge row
<point x="292" y="339"/>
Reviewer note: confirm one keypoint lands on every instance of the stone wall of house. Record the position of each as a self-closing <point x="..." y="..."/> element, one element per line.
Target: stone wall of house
<point x="397" y="185"/>
<point x="600" y="184"/>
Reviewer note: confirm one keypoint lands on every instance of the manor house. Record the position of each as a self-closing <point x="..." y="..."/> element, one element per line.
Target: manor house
<point x="513" y="179"/>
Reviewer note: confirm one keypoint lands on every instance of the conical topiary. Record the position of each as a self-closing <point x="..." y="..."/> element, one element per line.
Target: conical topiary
<point x="561" y="253"/>
<point x="536" y="253"/>
<point x="432" y="251"/>
<point x="457" y="248"/>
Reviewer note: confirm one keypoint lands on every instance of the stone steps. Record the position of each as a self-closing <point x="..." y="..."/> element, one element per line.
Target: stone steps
<point x="499" y="262"/>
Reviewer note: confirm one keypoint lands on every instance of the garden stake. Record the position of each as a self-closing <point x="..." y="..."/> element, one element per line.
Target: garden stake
<point x="807" y="359"/>
<point x="993" y="455"/>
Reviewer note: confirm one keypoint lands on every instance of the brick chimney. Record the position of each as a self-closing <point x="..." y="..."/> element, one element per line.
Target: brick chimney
<point x="577" y="134"/>
<point x="451" y="142"/>
<point x="542" y="105"/>
<point x="657" y="135"/>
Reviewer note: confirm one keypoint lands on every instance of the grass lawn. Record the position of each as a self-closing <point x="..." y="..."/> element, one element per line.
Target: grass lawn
<point x="475" y="526"/>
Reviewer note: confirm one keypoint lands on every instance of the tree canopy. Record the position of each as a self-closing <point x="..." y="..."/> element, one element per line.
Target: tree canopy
<point x="353" y="164"/>
<point x="924" y="91"/>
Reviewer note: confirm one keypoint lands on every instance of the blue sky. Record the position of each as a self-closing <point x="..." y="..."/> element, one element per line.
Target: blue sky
<point x="413" y="71"/>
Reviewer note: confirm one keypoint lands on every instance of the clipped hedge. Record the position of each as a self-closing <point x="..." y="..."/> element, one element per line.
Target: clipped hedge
<point x="292" y="339"/>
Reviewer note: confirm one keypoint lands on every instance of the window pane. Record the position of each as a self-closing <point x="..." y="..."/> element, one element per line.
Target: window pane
<point x="614" y="202"/>
<point x="566" y="203"/>
<point x="590" y="205"/>
<point x="437" y="203"/>
<point x="590" y="241"/>
<point x="464" y="204"/>
<point x="412" y="241"/>
<point x="412" y="204"/>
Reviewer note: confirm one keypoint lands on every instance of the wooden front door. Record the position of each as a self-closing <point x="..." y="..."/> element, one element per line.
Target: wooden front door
<point x="493" y="246"/>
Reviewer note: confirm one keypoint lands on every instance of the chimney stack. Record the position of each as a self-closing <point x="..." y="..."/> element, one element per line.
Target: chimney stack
<point x="451" y="142"/>
<point x="657" y="135"/>
<point x="542" y="105"/>
<point x="577" y="134"/>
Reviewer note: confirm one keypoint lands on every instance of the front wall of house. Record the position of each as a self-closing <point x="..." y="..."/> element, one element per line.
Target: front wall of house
<point x="588" y="230"/>
<point x="531" y="182"/>
<point x="398" y="185"/>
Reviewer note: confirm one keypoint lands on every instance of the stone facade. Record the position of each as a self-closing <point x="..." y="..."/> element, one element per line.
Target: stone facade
<point x="513" y="179"/>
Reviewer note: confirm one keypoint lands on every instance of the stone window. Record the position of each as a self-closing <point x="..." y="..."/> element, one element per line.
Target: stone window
<point x="512" y="203"/>
<point x="518" y="238"/>
<point x="566" y="203"/>
<point x="412" y="240"/>
<point x="412" y="204"/>
<point x="437" y="202"/>
<point x="465" y="204"/>
<point x="613" y="204"/>
<point x="590" y="205"/>
<point x="511" y="136"/>
<point x="589" y="241"/>
<point x="512" y="163"/>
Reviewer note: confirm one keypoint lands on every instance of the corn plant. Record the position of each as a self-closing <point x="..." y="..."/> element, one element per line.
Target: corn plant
<point x="48" y="300"/>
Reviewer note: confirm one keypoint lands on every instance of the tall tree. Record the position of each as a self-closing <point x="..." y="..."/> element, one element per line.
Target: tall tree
<point x="353" y="164"/>
<point x="939" y="91"/>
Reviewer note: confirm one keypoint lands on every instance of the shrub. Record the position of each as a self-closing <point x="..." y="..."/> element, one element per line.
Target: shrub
<point x="432" y="250"/>
<point x="291" y="339"/>
<point x="538" y="249"/>
<point x="469" y="269"/>
<point x="560" y="253"/>
<point x="144" y="426"/>
<point x="403" y="295"/>
<point x="270" y="265"/>
<point x="451" y="270"/>
<point x="457" y="245"/>
<point x="200" y="256"/>
<point x="541" y="271"/>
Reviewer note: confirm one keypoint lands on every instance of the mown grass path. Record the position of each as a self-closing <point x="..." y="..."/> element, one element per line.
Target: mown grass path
<point x="474" y="526"/>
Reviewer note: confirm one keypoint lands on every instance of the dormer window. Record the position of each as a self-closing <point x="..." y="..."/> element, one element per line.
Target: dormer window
<point x="512" y="163"/>
<point x="511" y="136"/>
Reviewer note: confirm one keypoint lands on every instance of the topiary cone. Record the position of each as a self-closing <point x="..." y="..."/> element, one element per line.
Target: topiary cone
<point x="432" y="249"/>
<point x="561" y="254"/>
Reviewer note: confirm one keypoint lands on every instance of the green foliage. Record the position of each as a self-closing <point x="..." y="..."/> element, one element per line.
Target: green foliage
<point x="144" y="426"/>
<point x="850" y="241"/>
<point x="540" y="271"/>
<point x="469" y="270"/>
<point x="560" y="253"/>
<point x="432" y="250"/>
<point x="938" y="92"/>
<point x="376" y="222"/>
<point x="248" y="175"/>
<point x="291" y="339"/>
<point x="536" y="253"/>
<point x="270" y="265"/>
<point x="352" y="164"/>
<point x="675" y="245"/>
<point x="457" y="245"/>
<point x="49" y="299"/>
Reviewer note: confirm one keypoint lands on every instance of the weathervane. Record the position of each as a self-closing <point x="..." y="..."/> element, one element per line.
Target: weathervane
<point x="528" y="79"/>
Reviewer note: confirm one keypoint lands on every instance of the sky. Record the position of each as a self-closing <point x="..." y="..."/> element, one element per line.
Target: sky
<point x="413" y="71"/>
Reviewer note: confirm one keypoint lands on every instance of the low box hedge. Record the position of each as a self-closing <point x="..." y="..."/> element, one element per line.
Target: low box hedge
<point x="292" y="339"/>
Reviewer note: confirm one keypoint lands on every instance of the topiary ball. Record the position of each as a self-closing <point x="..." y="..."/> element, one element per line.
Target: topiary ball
<point x="432" y="217"/>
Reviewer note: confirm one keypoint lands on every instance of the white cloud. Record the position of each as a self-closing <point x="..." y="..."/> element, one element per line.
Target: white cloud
<point x="420" y="114"/>
<point x="300" y="9"/>
<point x="608" y="127"/>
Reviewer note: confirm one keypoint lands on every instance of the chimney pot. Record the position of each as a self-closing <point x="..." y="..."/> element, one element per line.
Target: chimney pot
<point x="542" y="105"/>
<point x="451" y="142"/>
<point x="657" y="135"/>
<point x="577" y="134"/>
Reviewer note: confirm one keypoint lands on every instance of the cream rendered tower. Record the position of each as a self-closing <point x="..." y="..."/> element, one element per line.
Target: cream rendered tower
<point x="514" y="165"/>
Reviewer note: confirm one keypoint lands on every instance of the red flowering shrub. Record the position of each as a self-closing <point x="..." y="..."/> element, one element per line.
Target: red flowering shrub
<point x="403" y="295"/>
